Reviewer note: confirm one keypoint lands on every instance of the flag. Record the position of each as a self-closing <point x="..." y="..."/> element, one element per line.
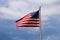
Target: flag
<point x="29" y="20"/>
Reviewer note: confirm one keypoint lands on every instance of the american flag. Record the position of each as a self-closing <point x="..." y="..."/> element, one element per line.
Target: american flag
<point x="29" y="20"/>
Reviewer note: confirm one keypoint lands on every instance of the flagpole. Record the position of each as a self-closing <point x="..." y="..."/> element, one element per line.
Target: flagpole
<point x="40" y="23"/>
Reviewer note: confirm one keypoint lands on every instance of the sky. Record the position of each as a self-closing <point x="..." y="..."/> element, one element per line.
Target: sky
<point x="11" y="10"/>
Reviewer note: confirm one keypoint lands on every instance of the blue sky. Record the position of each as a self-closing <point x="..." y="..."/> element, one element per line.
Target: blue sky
<point x="11" y="10"/>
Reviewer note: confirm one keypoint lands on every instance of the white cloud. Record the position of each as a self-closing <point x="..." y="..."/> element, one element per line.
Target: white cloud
<point x="44" y="1"/>
<point x="14" y="11"/>
<point x="18" y="5"/>
<point x="18" y="9"/>
<point x="48" y="11"/>
<point x="7" y="13"/>
<point x="10" y="14"/>
<point x="35" y="29"/>
<point x="52" y="38"/>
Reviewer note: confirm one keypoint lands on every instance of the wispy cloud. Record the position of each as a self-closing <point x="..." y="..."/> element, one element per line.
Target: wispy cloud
<point x="49" y="10"/>
<point x="8" y="13"/>
<point x="20" y="7"/>
<point x="52" y="37"/>
<point x="14" y="10"/>
<point x="43" y="1"/>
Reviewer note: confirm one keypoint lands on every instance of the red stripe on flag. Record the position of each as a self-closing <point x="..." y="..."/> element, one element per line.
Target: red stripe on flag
<point x="28" y="21"/>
